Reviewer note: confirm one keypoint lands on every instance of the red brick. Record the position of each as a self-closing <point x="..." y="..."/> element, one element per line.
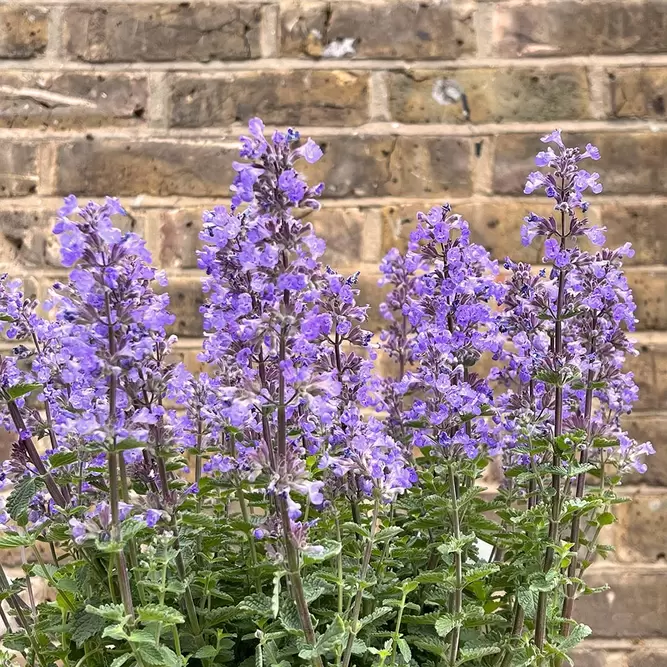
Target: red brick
<point x="23" y="32"/>
<point x="159" y="32"/>
<point x="393" y="29"/>
<point x="302" y="97"/>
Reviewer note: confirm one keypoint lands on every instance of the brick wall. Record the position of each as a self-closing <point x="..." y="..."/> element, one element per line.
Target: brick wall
<point x="415" y="103"/>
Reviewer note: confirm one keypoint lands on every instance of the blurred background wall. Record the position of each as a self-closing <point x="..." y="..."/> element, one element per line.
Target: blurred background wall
<point x="414" y="103"/>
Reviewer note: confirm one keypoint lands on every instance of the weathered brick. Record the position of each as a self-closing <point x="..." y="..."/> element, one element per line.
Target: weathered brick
<point x="395" y="29"/>
<point x="152" y="167"/>
<point x="652" y="428"/>
<point x="24" y="237"/>
<point x="23" y="32"/>
<point x="126" y="32"/>
<point x="489" y="95"/>
<point x="370" y="293"/>
<point x="636" y="92"/>
<point x="352" y="235"/>
<point x="646" y="657"/>
<point x="588" y="658"/>
<point x="319" y="97"/>
<point x="634" y="606"/>
<point x="18" y="169"/>
<point x="650" y="293"/>
<point x="185" y="299"/>
<point x="650" y="371"/>
<point x="70" y="99"/>
<point x="178" y="236"/>
<point x="631" y="163"/>
<point x="641" y="224"/>
<point x="575" y="28"/>
<point x="641" y="528"/>
<point x="381" y="166"/>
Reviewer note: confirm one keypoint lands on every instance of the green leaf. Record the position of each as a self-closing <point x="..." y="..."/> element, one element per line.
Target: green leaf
<point x="150" y="654"/>
<point x="578" y="633"/>
<point x="141" y="637"/>
<point x="129" y="529"/>
<point x="63" y="459"/>
<point x="257" y="603"/>
<point x="314" y="587"/>
<point x="333" y="635"/>
<point x="388" y="533"/>
<point x="86" y="626"/>
<point x="112" y="612"/>
<point x="160" y="613"/>
<point x="476" y="652"/>
<point x="19" y="499"/>
<point x="115" y="632"/>
<point x="330" y="548"/>
<point x="22" y="389"/>
<point x="275" y="598"/>
<point x="121" y="660"/>
<point x="606" y="519"/>
<point x="404" y="648"/>
<point x="374" y="616"/>
<point x="289" y="617"/>
<point x="528" y="601"/>
<point x="206" y="652"/>
<point x="446" y="623"/>
<point x="453" y="544"/>
<point x="11" y="541"/>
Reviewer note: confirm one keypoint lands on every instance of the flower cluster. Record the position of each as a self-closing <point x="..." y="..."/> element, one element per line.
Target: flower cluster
<point x="287" y="505"/>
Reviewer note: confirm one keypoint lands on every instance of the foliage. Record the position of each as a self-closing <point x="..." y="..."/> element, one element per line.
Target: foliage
<point x="289" y="506"/>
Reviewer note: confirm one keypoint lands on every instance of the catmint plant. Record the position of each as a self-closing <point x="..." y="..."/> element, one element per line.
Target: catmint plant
<point x="290" y="505"/>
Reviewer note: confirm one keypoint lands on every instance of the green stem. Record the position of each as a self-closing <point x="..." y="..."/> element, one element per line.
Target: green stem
<point x="358" y="599"/>
<point x="339" y="566"/>
<point x="457" y="606"/>
<point x="251" y="538"/>
<point x="397" y="631"/>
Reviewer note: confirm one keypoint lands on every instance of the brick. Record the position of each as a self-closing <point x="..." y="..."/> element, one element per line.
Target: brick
<point x="631" y="163"/>
<point x="636" y="92"/>
<point x="634" y="606"/>
<point x="588" y="658"/>
<point x="18" y="169"/>
<point x="352" y="235"/>
<point x="153" y="167"/>
<point x="646" y="658"/>
<point x="68" y="99"/>
<point x="491" y="95"/>
<point x="370" y="293"/>
<point x="178" y="236"/>
<point x="641" y="528"/>
<point x="334" y="98"/>
<point x="24" y="237"/>
<point x="652" y="428"/>
<point x="23" y="32"/>
<point x="381" y="166"/>
<point x="185" y="299"/>
<point x="650" y="371"/>
<point x="641" y="224"/>
<point x="650" y="292"/>
<point x="573" y="28"/>
<point x="129" y="32"/>
<point x="365" y="30"/>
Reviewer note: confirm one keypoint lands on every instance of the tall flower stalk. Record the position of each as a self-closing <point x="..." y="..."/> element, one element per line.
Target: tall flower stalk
<point x="288" y="505"/>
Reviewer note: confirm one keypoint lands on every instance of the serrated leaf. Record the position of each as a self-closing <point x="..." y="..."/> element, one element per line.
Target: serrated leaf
<point x="328" y="549"/>
<point x="130" y="528"/>
<point x="121" y="660"/>
<point x="206" y="652"/>
<point x="404" y="648"/>
<point x="446" y="623"/>
<point x="528" y="601"/>
<point x="289" y="617"/>
<point x="112" y="612"/>
<point x="388" y="533"/>
<point x="169" y="658"/>
<point x="141" y="637"/>
<point x="19" y="499"/>
<point x="22" y="389"/>
<point x="11" y="541"/>
<point x="150" y="655"/>
<point x="63" y="459"/>
<point x="314" y="588"/>
<point x="160" y="613"/>
<point x="577" y="634"/>
<point x="197" y="520"/>
<point x="115" y="632"/>
<point x="86" y="626"/>
<point x="257" y="603"/>
<point x="475" y="653"/>
<point x="374" y="616"/>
